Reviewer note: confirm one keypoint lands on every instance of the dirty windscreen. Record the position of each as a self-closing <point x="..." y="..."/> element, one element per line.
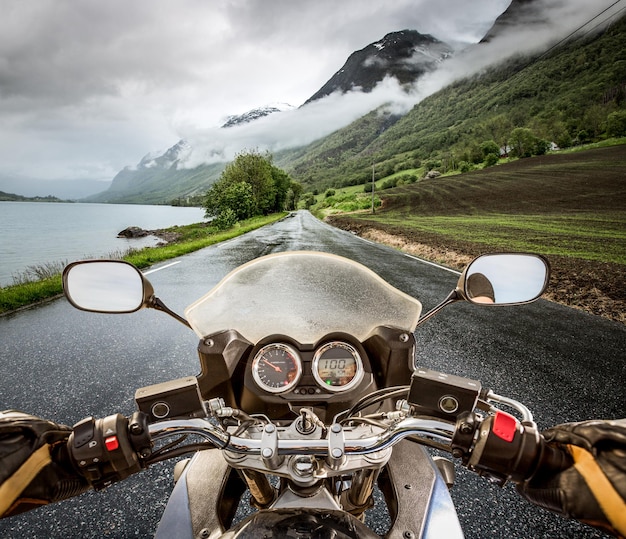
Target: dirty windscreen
<point x="305" y="295"/>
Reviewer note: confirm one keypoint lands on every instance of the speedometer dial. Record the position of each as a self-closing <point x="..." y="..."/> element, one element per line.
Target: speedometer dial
<point x="277" y="368"/>
<point x="337" y="366"/>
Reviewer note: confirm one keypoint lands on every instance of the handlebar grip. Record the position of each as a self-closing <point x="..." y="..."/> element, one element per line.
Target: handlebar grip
<point x="553" y="460"/>
<point x="507" y="450"/>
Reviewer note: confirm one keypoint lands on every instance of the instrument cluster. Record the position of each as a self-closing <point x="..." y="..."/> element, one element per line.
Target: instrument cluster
<point x="333" y="367"/>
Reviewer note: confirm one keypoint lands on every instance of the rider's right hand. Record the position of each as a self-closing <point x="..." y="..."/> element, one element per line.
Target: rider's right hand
<point x="42" y="462"/>
<point x="35" y="466"/>
<point x="593" y="488"/>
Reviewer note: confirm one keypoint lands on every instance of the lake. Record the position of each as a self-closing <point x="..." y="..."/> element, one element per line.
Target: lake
<point x="35" y="233"/>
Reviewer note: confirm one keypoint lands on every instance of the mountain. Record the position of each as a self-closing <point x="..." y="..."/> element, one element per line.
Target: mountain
<point x="405" y="55"/>
<point x="576" y="93"/>
<point x="255" y="114"/>
<point x="519" y="12"/>
<point x="159" y="178"/>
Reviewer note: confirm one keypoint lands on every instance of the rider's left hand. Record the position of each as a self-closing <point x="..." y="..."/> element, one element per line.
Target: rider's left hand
<point x="592" y="488"/>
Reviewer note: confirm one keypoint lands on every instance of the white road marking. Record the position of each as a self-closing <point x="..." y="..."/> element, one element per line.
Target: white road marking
<point x="432" y="264"/>
<point x="162" y="267"/>
<point x="407" y="255"/>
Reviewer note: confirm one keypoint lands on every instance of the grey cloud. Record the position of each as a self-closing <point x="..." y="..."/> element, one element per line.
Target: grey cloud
<point x="88" y="87"/>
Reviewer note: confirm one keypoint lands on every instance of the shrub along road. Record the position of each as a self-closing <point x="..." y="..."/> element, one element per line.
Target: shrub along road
<point x="65" y="364"/>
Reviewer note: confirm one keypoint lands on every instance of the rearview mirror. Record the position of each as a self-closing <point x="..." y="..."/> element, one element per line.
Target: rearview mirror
<point x="504" y="279"/>
<point x="105" y="286"/>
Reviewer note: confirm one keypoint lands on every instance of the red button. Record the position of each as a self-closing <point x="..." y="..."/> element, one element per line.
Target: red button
<point x="504" y="426"/>
<point x="111" y="443"/>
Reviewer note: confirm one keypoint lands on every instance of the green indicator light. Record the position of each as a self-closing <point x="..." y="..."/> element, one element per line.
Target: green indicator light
<point x="328" y="382"/>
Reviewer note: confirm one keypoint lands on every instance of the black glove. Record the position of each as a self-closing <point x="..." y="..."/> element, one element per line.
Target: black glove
<point x="593" y="488"/>
<point x="35" y="467"/>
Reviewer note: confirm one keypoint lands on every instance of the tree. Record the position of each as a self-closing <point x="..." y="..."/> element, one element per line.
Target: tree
<point x="229" y="204"/>
<point x="282" y="184"/>
<point x="256" y="170"/>
<point x="523" y="142"/>
<point x="296" y="189"/>
<point x="250" y="185"/>
<point x="499" y="127"/>
<point x="616" y="124"/>
<point x="490" y="147"/>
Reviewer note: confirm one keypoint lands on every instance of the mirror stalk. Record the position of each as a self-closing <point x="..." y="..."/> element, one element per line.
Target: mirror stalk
<point x="156" y="303"/>
<point x="453" y="297"/>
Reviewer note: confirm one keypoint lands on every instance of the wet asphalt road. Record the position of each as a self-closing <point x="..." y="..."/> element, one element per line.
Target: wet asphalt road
<point x="64" y="364"/>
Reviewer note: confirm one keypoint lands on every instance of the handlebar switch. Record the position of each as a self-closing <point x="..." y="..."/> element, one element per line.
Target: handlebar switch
<point x="506" y="449"/>
<point x="105" y="450"/>
<point x="139" y="434"/>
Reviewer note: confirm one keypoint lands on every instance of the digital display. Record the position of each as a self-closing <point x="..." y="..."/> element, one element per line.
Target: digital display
<point x="337" y="372"/>
<point x="337" y="366"/>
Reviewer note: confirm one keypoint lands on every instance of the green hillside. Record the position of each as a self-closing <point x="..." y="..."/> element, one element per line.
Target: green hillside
<point x="572" y="95"/>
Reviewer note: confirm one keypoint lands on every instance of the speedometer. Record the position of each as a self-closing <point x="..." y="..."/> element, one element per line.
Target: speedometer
<point x="337" y="366"/>
<point x="277" y="368"/>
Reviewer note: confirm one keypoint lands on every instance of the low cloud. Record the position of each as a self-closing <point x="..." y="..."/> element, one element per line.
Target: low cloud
<point x="543" y="24"/>
<point x="293" y="128"/>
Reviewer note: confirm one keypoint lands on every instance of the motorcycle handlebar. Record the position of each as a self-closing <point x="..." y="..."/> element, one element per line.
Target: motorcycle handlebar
<point x="336" y="440"/>
<point x="498" y="446"/>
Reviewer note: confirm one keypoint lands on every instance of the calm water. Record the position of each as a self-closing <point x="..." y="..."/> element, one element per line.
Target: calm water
<point x="33" y="233"/>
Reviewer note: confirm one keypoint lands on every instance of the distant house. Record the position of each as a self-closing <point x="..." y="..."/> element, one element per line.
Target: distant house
<point x="505" y="151"/>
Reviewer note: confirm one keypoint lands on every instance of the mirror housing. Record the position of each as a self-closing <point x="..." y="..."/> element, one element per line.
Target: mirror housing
<point x="504" y="279"/>
<point x="106" y="286"/>
<point x="498" y="279"/>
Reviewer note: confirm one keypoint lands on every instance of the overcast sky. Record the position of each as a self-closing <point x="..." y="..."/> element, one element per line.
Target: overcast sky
<point x="90" y="86"/>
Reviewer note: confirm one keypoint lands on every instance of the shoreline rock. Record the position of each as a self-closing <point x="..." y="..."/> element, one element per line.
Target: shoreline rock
<point x="133" y="232"/>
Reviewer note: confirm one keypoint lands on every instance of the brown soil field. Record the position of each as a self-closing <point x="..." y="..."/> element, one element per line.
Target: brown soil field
<point x="590" y="181"/>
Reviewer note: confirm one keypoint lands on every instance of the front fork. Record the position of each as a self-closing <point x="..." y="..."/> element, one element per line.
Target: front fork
<point x="356" y="499"/>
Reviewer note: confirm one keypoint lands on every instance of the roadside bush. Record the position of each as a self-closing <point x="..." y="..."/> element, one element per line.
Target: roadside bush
<point x="616" y="124"/>
<point x="390" y="183"/>
<point x="329" y="193"/>
<point x="464" y="166"/>
<point x="307" y="200"/>
<point x="541" y="147"/>
<point x="491" y="159"/>
<point x="225" y="219"/>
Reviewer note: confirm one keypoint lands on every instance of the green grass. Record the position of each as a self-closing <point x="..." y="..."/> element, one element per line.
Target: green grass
<point x="192" y="238"/>
<point x="566" y="204"/>
<point x="584" y="236"/>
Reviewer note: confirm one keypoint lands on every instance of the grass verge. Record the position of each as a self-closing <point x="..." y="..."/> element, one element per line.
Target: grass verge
<point x="181" y="240"/>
